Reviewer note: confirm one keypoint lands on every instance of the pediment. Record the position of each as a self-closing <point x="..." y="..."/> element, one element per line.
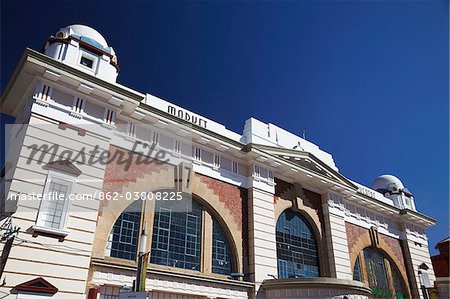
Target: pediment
<point x="64" y="166"/>
<point x="307" y="161"/>
<point x="37" y="285"/>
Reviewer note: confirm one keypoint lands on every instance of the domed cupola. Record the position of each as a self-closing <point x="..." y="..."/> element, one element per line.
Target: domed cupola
<point x="84" y="48"/>
<point x="391" y="187"/>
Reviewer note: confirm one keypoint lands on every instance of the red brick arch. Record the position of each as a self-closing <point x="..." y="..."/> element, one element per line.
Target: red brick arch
<point x="358" y="238"/>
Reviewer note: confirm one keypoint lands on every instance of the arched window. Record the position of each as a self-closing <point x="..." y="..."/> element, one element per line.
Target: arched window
<point x="221" y="254"/>
<point x="123" y="240"/>
<point x="176" y="240"/>
<point x="176" y="236"/>
<point x="357" y="275"/>
<point x="296" y="247"/>
<point x="383" y="277"/>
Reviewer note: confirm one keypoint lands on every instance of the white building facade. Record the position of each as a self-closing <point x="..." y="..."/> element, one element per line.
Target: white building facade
<point x="262" y="214"/>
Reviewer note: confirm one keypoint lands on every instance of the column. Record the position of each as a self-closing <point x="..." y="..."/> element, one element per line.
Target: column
<point x="416" y="252"/>
<point x="336" y="239"/>
<point x="262" y="238"/>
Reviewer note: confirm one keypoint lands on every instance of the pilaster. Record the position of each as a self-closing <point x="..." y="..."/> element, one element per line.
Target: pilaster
<point x="416" y="253"/>
<point x="336" y="240"/>
<point x="262" y="238"/>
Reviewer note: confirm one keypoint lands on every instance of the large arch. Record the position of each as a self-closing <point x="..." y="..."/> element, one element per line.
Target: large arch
<point x="313" y="221"/>
<point x="364" y="241"/>
<point x="226" y="227"/>
<point x="302" y="225"/>
<point x="393" y="267"/>
<point x="111" y="210"/>
<point x="295" y="197"/>
<point x="163" y="180"/>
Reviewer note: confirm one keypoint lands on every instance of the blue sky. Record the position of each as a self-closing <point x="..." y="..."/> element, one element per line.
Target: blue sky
<point x="367" y="80"/>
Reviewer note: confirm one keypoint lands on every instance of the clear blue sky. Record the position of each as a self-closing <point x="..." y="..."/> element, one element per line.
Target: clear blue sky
<point x="367" y="80"/>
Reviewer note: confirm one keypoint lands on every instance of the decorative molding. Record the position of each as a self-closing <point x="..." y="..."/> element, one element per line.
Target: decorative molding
<point x="41" y="102"/>
<point x="63" y="166"/>
<point x="64" y="126"/>
<point x="374" y="238"/>
<point x="37" y="285"/>
<point x="49" y="232"/>
<point x="76" y="115"/>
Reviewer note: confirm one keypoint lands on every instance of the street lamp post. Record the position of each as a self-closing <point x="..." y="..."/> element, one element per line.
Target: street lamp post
<point x="142" y="263"/>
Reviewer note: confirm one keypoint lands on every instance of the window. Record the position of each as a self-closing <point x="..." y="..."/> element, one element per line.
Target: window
<point x="55" y="202"/>
<point x="177" y="146"/>
<point x="296" y="247"/>
<point x="176" y="236"/>
<point x="123" y="240"/>
<point x="155" y="138"/>
<point x="221" y="255"/>
<point x="407" y="202"/>
<point x="192" y="226"/>
<point x="109" y="292"/>
<point x="54" y="206"/>
<point x="270" y="175"/>
<point x="378" y="266"/>
<point x="216" y="160"/>
<point x="282" y="268"/>
<point x="357" y="270"/>
<point x="78" y="105"/>
<point x="131" y="129"/>
<point x="176" y="239"/>
<point x="163" y="229"/>
<point x="197" y="153"/>
<point x="234" y="167"/>
<point x="110" y="116"/>
<point x="256" y="170"/>
<point x="126" y="232"/>
<point x="287" y="234"/>
<point x="43" y="92"/>
<point x="84" y="61"/>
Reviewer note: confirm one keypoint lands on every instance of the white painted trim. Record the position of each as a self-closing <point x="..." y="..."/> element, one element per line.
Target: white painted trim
<point x="33" y="296"/>
<point x="95" y="60"/>
<point x="69" y="181"/>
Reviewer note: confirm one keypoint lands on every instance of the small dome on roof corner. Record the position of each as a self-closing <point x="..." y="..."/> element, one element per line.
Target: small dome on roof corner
<point x="387" y="182"/>
<point x="87" y="32"/>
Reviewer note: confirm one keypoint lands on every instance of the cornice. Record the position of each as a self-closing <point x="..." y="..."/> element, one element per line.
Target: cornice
<point x="267" y="149"/>
<point x="189" y="124"/>
<point x="125" y="92"/>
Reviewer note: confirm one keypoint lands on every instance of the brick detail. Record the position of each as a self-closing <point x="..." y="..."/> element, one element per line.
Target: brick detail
<point x="395" y="245"/>
<point x="119" y="175"/>
<point x="358" y="238"/>
<point x="232" y="196"/>
<point x="280" y="188"/>
<point x="354" y="233"/>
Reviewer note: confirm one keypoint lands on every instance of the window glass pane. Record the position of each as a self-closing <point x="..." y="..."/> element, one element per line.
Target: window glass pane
<point x="221" y="255"/>
<point x="357" y="270"/>
<point x="296" y="247"/>
<point x="109" y="292"/>
<point x="376" y="273"/>
<point x="378" y="280"/>
<point x="125" y="233"/>
<point x="176" y="236"/>
<point x="53" y="216"/>
<point x="282" y="268"/>
<point x="86" y="62"/>
<point x="400" y="292"/>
